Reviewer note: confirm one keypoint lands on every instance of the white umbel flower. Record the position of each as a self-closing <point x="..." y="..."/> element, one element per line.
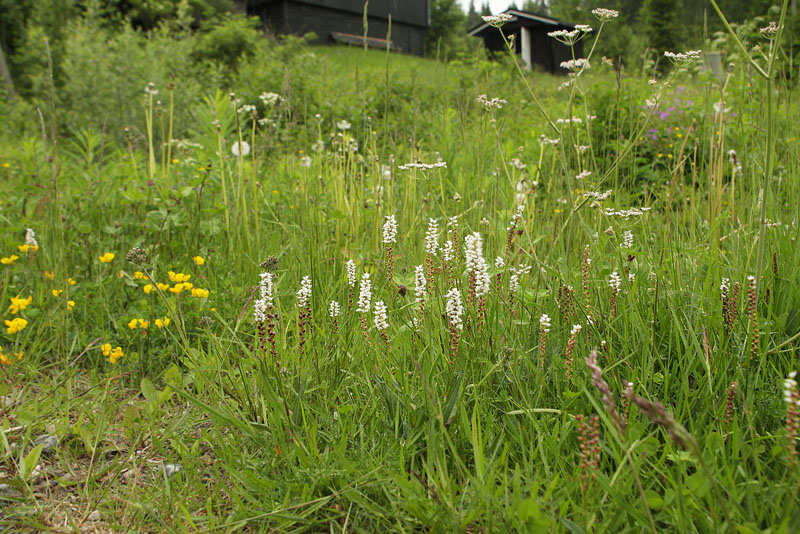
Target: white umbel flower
<point x="604" y="15"/>
<point x="304" y="293"/>
<point x="432" y="237"/>
<point x="420" y="282"/>
<point x="334" y="309"/>
<point x="576" y="328"/>
<point x="380" y="318"/>
<point x="351" y="273"/>
<point x="390" y="230"/>
<point x="364" y="294"/>
<point x="454" y="309"/>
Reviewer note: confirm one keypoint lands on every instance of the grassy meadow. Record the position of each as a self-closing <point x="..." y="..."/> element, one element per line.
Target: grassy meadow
<point x="354" y="293"/>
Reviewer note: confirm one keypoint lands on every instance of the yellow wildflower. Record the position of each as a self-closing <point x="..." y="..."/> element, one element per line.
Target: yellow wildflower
<point x="187" y="285"/>
<point x="18" y="304"/>
<point x="107" y="257"/>
<point x="143" y="323"/>
<point x="49" y="275"/>
<point x="120" y="274"/>
<point x="3" y="359"/>
<point x="15" y="325"/>
<point x="106" y="348"/>
<point x="57" y="292"/>
<point x="148" y="289"/>
<point x="23" y="248"/>
<point x="132" y="324"/>
<point x="139" y="275"/>
<point x="6" y="165"/>
<point x="9" y="260"/>
<point x="70" y="304"/>
<point x="162" y="323"/>
<point x="199" y="260"/>
<point x="200" y="293"/>
<point x="178" y="277"/>
<point x="175" y="161"/>
<point x="71" y="281"/>
<point x="163" y="287"/>
<point x="115" y="355"/>
<point x="177" y="288"/>
<point x="660" y="155"/>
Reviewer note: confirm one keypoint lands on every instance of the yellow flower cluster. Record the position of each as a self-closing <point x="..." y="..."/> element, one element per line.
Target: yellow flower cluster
<point x="199" y="260"/>
<point x="49" y="275"/>
<point x="108" y="257"/>
<point x="139" y="275"/>
<point x="15" y="325"/>
<point x="6" y="360"/>
<point x="178" y="277"/>
<point x="112" y="355"/>
<point x="57" y="292"/>
<point x="9" y="260"/>
<point x="26" y="247"/>
<point x="162" y="323"/>
<point x="138" y="323"/>
<point x="18" y="304"/>
<point x="200" y="293"/>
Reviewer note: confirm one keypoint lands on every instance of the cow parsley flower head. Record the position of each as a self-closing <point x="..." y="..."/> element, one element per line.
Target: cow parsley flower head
<point x="605" y="15"/>
<point x="497" y="20"/>
<point x="683" y="58"/>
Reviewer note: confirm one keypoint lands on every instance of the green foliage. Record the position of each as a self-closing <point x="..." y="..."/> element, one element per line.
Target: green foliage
<point x="446" y="34"/>
<point x="229" y="40"/>
<point x="663" y="29"/>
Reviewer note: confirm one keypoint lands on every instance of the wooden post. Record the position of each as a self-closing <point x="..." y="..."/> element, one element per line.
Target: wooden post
<point x="525" y="33"/>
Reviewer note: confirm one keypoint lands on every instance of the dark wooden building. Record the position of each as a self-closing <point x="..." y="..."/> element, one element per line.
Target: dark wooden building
<point x="531" y="41"/>
<point x="343" y="20"/>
